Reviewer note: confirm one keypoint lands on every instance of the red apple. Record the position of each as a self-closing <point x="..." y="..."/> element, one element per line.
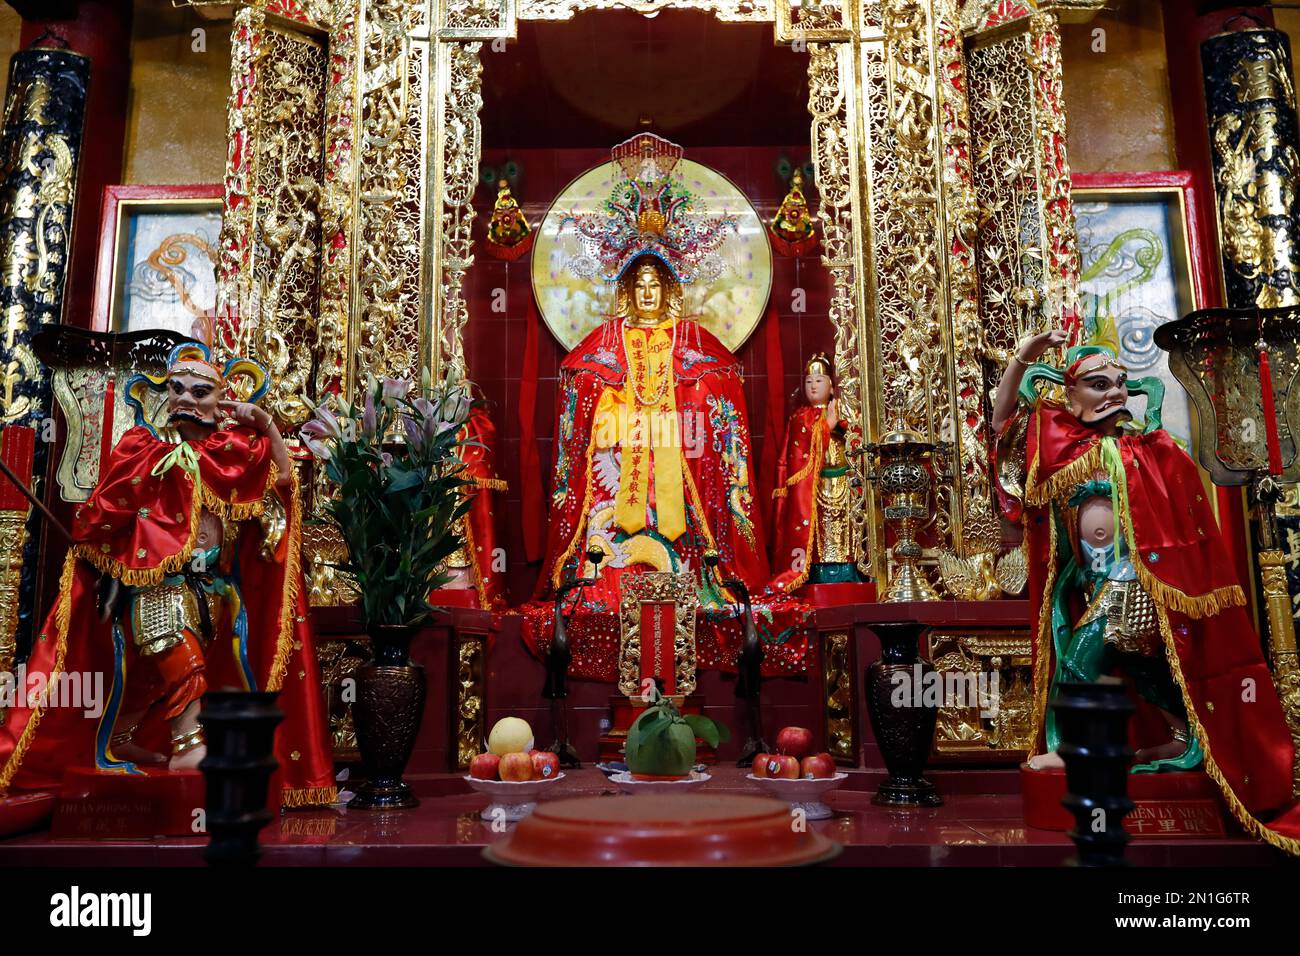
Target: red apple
<point x="545" y="765"/>
<point x="759" y="767"/>
<point x="817" y="766"/>
<point x="795" y="741"/>
<point x="783" y="766"/>
<point x="517" y="766"/>
<point x="484" y="767"/>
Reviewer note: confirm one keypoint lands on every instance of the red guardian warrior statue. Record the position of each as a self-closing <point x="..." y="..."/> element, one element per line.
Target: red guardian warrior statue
<point x="1128" y="575"/>
<point x="184" y="575"/>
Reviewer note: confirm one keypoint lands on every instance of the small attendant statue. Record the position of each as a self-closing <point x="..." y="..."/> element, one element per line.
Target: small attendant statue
<point x="816" y="541"/>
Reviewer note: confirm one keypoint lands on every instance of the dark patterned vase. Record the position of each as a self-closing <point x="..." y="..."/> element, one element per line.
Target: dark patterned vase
<point x="387" y="714"/>
<point x="904" y="731"/>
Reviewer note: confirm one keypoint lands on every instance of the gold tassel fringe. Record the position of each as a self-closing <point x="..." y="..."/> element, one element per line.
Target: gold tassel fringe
<point x="60" y="655"/>
<point x="289" y="595"/>
<point x="1243" y="816"/>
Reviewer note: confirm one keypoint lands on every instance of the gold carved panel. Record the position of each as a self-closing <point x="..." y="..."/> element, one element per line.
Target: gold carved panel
<point x="271" y="230"/>
<point x="456" y="148"/>
<point x="820" y="22"/>
<point x="987" y="708"/>
<point x="471" y="705"/>
<point x="839" y="683"/>
<point x="738" y="11"/>
<point x="387" y="337"/>
<point x="665" y="588"/>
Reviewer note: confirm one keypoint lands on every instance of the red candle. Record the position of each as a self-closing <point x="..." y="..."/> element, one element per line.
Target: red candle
<point x="1270" y="411"/>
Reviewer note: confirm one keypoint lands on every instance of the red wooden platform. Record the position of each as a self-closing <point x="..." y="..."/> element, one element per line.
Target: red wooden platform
<point x="971" y="829"/>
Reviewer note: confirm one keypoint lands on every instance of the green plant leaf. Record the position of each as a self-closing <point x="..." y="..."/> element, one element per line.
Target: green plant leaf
<point x="704" y="728"/>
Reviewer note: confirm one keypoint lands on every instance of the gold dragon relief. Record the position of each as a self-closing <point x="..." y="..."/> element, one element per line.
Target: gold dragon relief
<point x="287" y="183"/>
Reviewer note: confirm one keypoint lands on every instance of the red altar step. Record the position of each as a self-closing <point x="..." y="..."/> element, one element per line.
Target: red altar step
<point x="121" y="806"/>
<point x="1166" y="805"/>
<point x="24" y="812"/>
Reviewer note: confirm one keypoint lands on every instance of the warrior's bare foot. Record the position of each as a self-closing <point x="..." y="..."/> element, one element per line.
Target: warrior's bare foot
<point x="1175" y="748"/>
<point x="1050" y="761"/>
<point x="189" y="760"/>
<point x="129" y="750"/>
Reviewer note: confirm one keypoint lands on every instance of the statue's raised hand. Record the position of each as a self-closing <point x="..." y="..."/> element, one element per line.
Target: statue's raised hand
<point x="1032" y="348"/>
<point x="246" y="413"/>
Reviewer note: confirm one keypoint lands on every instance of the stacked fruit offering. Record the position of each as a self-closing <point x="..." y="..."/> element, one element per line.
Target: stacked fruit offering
<point x="511" y="756"/>
<point x="794" y="758"/>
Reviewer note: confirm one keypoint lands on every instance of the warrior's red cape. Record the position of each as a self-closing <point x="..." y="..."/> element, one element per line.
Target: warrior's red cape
<point x="721" y="501"/>
<point x="140" y="527"/>
<point x="1213" y="651"/>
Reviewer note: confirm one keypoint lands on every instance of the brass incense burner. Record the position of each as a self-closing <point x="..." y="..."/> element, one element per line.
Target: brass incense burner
<point x="903" y="467"/>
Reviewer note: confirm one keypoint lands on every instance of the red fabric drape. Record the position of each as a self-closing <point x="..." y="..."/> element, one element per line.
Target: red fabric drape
<point x="530" y="463"/>
<point x="774" y="421"/>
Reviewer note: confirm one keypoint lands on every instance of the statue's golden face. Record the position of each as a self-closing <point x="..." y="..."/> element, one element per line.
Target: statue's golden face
<point x="648" y="293"/>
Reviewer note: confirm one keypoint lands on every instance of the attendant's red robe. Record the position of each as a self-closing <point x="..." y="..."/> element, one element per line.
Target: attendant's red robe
<point x="140" y="528"/>
<point x="1213" y="651"/>
<point x="795" y="527"/>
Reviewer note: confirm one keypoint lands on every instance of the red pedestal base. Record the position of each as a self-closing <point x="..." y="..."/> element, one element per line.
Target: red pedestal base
<point x="1166" y="805"/>
<point x="838" y="595"/>
<point x="119" y="806"/>
<point x="24" y="812"/>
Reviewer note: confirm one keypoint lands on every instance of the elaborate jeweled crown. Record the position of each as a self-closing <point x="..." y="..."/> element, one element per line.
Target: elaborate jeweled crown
<point x="649" y="213"/>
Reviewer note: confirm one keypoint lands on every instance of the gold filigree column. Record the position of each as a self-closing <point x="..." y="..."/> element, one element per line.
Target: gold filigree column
<point x="457" y="147"/>
<point x="833" y="102"/>
<point x="978" y="530"/>
<point x="269" y="264"/>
